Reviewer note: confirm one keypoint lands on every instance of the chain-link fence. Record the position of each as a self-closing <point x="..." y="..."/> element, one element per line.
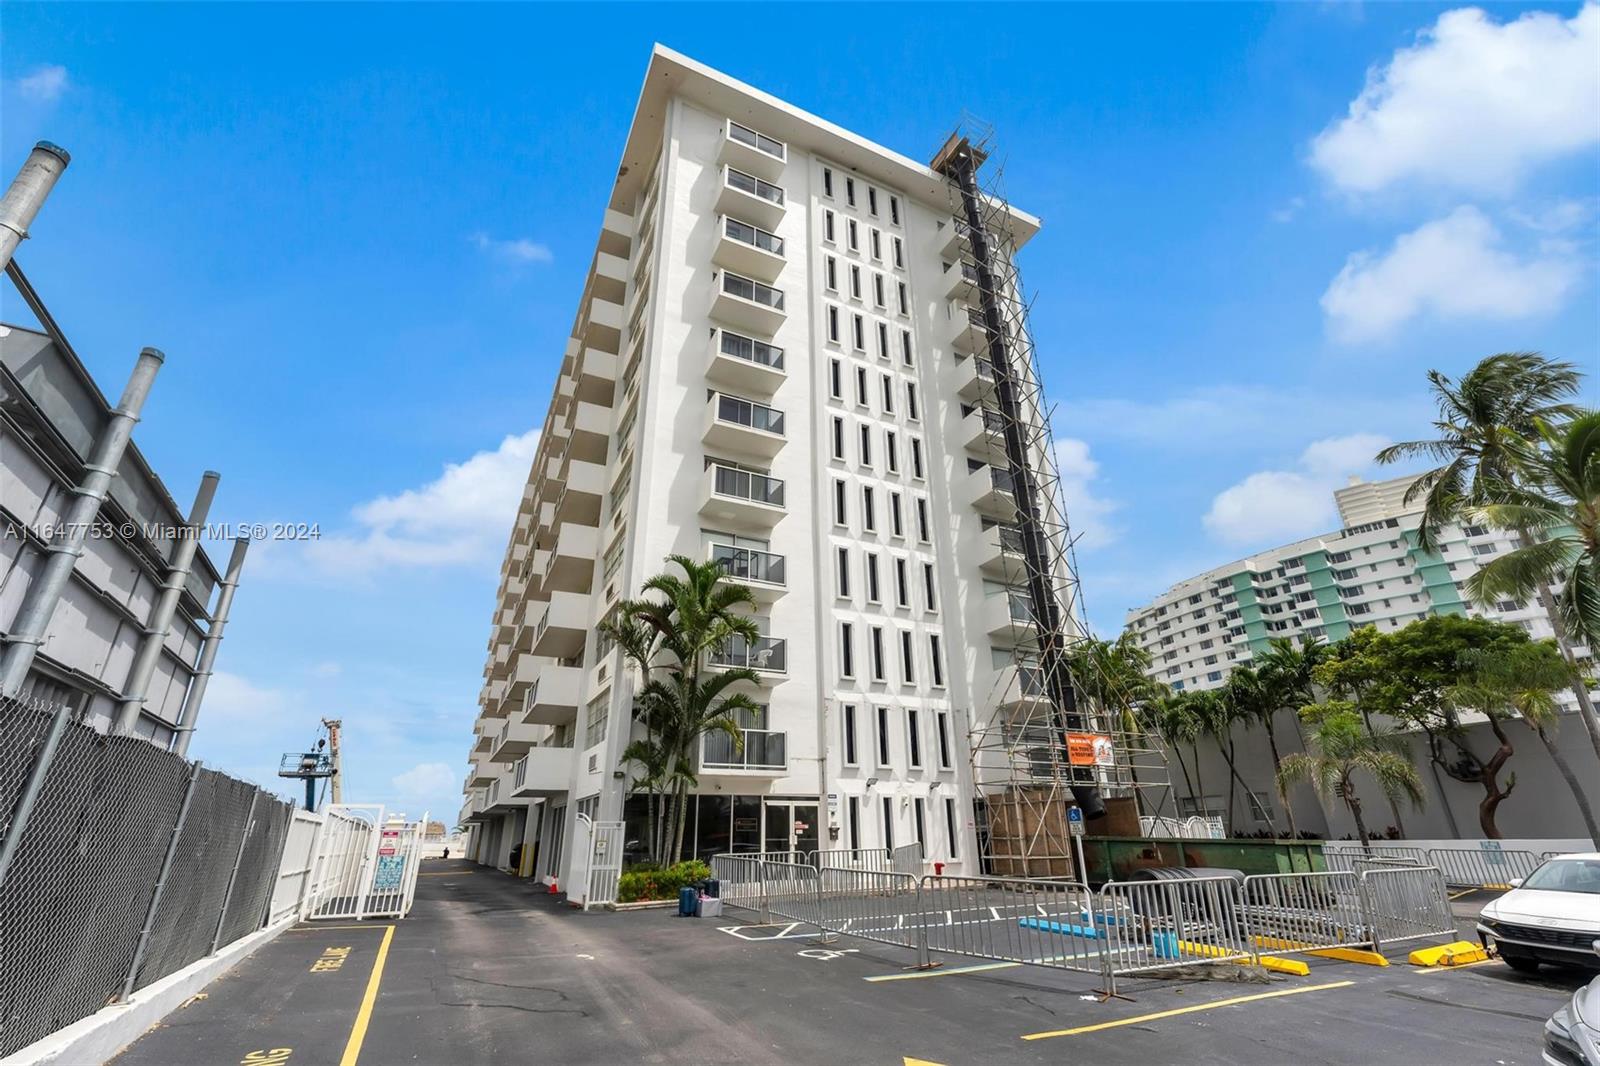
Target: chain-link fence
<point x="133" y="864"/>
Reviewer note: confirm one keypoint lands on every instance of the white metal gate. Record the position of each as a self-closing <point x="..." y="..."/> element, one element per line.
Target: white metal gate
<point x="605" y="864"/>
<point x="365" y="867"/>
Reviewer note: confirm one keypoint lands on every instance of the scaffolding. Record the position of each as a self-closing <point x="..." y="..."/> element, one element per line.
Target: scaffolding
<point x="1037" y="744"/>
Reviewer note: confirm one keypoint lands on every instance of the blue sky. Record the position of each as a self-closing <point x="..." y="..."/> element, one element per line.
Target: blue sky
<point x="359" y="233"/>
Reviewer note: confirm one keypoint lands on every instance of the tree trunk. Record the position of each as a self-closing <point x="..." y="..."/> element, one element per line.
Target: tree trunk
<point x="1199" y="779"/>
<point x="1565" y="769"/>
<point x="1233" y="776"/>
<point x="1355" y="812"/>
<point x="1489" y="777"/>
<point x="1187" y="781"/>
<point x="1580" y="683"/>
<point x="683" y="812"/>
<point x="1283" y="793"/>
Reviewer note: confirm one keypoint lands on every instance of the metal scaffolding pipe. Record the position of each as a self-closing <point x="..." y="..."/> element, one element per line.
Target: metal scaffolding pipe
<point x="27" y="194"/>
<point x="961" y="166"/>
<point x="137" y="688"/>
<point x="208" y="649"/>
<point x="44" y="593"/>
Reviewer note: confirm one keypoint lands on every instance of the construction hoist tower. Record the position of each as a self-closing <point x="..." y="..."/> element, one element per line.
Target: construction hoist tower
<point x="1036" y="747"/>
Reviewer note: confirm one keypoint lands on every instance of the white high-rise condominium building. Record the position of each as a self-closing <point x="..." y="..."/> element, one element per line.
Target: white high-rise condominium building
<point x="1369" y="573"/>
<point x="773" y="366"/>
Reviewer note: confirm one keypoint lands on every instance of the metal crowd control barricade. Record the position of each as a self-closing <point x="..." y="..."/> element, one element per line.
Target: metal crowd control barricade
<point x="906" y="859"/>
<point x="1287" y="913"/>
<point x="1341" y="854"/>
<point x="879" y="859"/>
<point x="1482" y="867"/>
<point x="1404" y="903"/>
<point x="1040" y="923"/>
<point x="1158" y="925"/>
<point x="875" y="905"/>
<point x="792" y="890"/>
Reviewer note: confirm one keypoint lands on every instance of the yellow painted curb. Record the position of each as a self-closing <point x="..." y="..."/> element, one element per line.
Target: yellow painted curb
<point x="1268" y="962"/>
<point x="1277" y="965"/>
<point x="1456" y="954"/>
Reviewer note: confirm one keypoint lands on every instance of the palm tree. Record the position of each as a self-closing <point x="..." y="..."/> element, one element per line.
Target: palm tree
<point x="670" y="637"/>
<point x="1286" y="676"/>
<point x="1489" y="423"/>
<point x="1247" y="698"/>
<point x="1176" y="724"/>
<point x="1344" y="746"/>
<point x="1523" y="682"/>
<point x="1113" y="676"/>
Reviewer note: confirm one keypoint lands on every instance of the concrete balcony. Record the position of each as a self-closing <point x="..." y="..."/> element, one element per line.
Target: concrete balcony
<point x="482" y="743"/>
<point x="590" y="425"/>
<point x="762" y="752"/>
<point x="597" y="376"/>
<point x="745" y="364"/>
<point x="983" y="434"/>
<point x="1021" y="689"/>
<point x="553" y="698"/>
<point x="763" y="573"/>
<point x="494" y="696"/>
<point x="743" y="497"/>
<point x="514" y="740"/>
<point x="610" y="277"/>
<point x="542" y="772"/>
<point x="1008" y="617"/>
<point x="974" y="378"/>
<point x="572" y="558"/>
<point x="742" y="427"/>
<point x="602" y="327"/>
<point x="1000" y="554"/>
<point x="767" y="656"/>
<point x="961" y="281"/>
<point x="988" y="490"/>
<point x="524" y="672"/>
<point x="545" y="523"/>
<point x="748" y="197"/>
<point x="500" y="661"/>
<point x="748" y="249"/>
<point x="963" y="332"/>
<point x="564" y="626"/>
<point x="752" y="151"/>
<point x="581" y="484"/>
<point x="480" y="772"/>
<point x="747" y="304"/>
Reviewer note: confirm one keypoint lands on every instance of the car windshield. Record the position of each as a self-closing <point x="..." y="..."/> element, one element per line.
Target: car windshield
<point x="1567" y="875"/>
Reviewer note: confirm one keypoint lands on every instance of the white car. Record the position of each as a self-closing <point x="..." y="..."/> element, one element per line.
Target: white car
<point x="1551" y="916"/>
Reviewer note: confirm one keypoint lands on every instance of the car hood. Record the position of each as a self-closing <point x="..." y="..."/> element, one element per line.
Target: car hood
<point x="1531" y="906"/>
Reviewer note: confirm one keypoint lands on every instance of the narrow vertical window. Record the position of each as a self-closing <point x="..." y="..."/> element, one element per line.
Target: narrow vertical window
<point x="861" y="386"/>
<point x="842" y="566"/>
<point x="952" y="827"/>
<point x="847" y="650"/>
<point x="855" y="281"/>
<point x="875" y="243"/>
<point x="840" y="514"/>
<point x="905" y="299"/>
<point x="852" y="235"/>
<point x="930" y="594"/>
<point x="924" y="532"/>
<point x="858" y="332"/>
<point x="877" y="291"/>
<point x="888" y="823"/>
<point x="838" y="437"/>
<point x="902" y="585"/>
<point x="919" y="811"/>
<point x="936" y="660"/>
<point x="827" y="226"/>
<point x="883" y="737"/>
<point x="850" y="191"/>
<point x="827" y="181"/>
<point x="894" y="210"/>
<point x="872" y="200"/>
<point x="941" y="722"/>
<point x="833" y="324"/>
<point x="835" y="379"/>
<point x="853" y="821"/>
<point x="916" y="458"/>
<point x="905" y="347"/>
<point x="913" y="738"/>
<point x="908" y="659"/>
<point x="896" y="519"/>
<point x="875" y="642"/>
<point x="887" y="387"/>
<point x="865" y="434"/>
<point x="872" y="577"/>
<point x="912" y="410"/>
<point x="830" y="273"/>
<point x="869" y="513"/>
<point x="848" y="719"/>
<point x="883" y="341"/>
<point x="899" y="253"/>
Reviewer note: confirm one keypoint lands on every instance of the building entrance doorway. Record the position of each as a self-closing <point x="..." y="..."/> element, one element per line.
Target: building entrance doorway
<point x="790" y="826"/>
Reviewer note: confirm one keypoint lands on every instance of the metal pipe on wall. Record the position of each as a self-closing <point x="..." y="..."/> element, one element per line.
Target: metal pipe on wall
<point x="27" y="194"/>
<point x="44" y="593"/>
<point x="208" y="650"/>
<point x="137" y="688"/>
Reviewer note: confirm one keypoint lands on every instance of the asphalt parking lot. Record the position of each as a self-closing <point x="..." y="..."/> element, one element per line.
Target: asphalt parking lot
<point x="490" y="970"/>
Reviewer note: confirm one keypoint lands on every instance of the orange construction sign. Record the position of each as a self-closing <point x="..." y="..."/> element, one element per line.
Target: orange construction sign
<point x="1089" y="749"/>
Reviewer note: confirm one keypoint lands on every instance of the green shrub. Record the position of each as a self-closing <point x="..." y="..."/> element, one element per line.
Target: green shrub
<point x="647" y="882"/>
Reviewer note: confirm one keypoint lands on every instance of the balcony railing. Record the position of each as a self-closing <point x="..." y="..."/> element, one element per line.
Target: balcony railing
<point x="742" y="412"/>
<point x="770" y="654"/>
<point x="763" y="749"/>
<point x="752" y="235"/>
<point x="753" y="185"/>
<point x="760" y="142"/>
<point x="1010" y="540"/>
<point x="1021" y="608"/>
<point x="748" y="564"/>
<point x="748" y="485"/>
<point x="1002" y="480"/>
<point x="750" y="350"/>
<point x="754" y="291"/>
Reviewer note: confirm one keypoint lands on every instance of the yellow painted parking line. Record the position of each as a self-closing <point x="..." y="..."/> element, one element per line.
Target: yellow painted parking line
<point x="447" y="873"/>
<point x="352" y="1048"/>
<point x="320" y="928"/>
<point x="1462" y="892"/>
<point x="943" y="973"/>
<point x="1186" y="1010"/>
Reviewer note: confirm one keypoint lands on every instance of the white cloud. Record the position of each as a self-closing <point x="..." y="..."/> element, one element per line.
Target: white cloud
<point x="326" y="669"/>
<point x="1088" y="514"/>
<point x="1288" y="211"/>
<point x="1474" y="104"/>
<point x="1280" y="505"/>
<point x="459" y="519"/>
<point x="517" y="250"/>
<point x="43" y="85"/>
<point x="426" y="781"/>
<point x="1453" y="267"/>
